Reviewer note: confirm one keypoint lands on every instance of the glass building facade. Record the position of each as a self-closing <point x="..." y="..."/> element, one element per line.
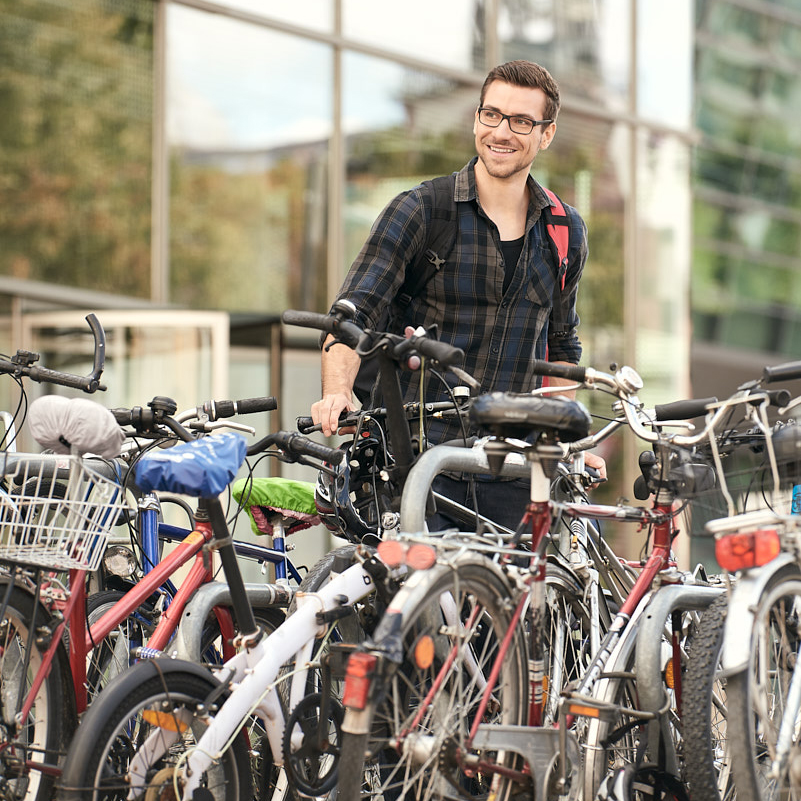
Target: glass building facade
<point x="211" y="158"/>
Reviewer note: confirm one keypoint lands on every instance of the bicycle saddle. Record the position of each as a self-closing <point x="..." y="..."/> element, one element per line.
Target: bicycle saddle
<point x="507" y="414"/>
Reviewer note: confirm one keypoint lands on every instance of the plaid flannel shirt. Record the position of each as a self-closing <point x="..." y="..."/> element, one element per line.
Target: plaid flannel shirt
<point x="500" y="333"/>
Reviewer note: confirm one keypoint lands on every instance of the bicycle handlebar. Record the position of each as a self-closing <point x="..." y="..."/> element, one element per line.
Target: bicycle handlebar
<point x="228" y="408"/>
<point x="297" y="444"/>
<point x="788" y="371"/>
<point x="362" y="341"/>
<point x="22" y="365"/>
<point x="683" y="409"/>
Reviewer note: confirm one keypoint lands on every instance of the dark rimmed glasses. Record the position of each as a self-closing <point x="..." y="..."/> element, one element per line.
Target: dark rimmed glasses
<point x="517" y="124"/>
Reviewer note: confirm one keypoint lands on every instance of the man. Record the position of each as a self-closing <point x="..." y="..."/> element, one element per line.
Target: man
<point x="501" y="297"/>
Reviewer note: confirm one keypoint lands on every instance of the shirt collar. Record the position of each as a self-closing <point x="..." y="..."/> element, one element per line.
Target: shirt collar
<point x="465" y="188"/>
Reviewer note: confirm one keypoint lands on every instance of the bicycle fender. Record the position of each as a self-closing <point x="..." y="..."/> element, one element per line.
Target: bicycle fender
<point x="743" y="603"/>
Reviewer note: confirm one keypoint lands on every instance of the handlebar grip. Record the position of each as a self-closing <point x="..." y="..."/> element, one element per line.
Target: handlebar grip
<point x="779" y="397"/>
<point x="294" y="443"/>
<point x="788" y="371"/>
<point x="85" y="383"/>
<point x="347" y="332"/>
<point x="228" y="408"/>
<point x="306" y="319"/>
<point x="570" y="372"/>
<point x="683" y="409"/>
<point x="441" y="352"/>
<point x="305" y="424"/>
<point x="100" y="352"/>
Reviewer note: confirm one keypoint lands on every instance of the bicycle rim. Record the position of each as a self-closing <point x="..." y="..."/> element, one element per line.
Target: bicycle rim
<point x="40" y="736"/>
<point x="418" y="736"/>
<point x="758" y="701"/>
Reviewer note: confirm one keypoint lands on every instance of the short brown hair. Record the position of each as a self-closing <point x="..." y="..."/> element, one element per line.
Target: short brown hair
<point x="528" y="74"/>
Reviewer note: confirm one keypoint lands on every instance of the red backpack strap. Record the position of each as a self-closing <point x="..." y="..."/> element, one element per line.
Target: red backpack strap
<point x="558" y="228"/>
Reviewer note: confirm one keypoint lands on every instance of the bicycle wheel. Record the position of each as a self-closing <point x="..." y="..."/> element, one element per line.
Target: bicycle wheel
<point x="418" y="731"/>
<point x="617" y="746"/>
<point x="705" y="711"/>
<point x="164" y="705"/>
<point x="758" y="700"/>
<point x="112" y="655"/>
<point x="40" y="737"/>
<point x="309" y="759"/>
<point x="567" y="637"/>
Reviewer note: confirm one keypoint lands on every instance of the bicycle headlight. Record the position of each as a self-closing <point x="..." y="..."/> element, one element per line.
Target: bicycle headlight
<point x="119" y="561"/>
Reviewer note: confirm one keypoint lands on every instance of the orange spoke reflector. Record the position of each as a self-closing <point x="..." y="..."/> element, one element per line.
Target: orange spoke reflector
<point x="670" y="678"/>
<point x="424" y="652"/>
<point x="586" y="711"/>
<point x="421" y="557"/>
<point x="164" y="720"/>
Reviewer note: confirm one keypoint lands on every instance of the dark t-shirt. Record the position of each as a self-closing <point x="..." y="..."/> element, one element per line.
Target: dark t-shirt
<point x="511" y="253"/>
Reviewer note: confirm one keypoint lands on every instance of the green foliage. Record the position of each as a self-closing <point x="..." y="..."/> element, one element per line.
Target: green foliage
<point x="76" y="132"/>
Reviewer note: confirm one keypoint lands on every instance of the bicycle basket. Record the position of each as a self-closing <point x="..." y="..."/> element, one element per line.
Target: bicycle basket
<point x="56" y="512"/>
<point x="749" y="482"/>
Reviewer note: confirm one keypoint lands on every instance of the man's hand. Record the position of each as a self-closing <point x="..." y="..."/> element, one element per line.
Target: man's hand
<point x="325" y="412"/>
<point x="596" y="463"/>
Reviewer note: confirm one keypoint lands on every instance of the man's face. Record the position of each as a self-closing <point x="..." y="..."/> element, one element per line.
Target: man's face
<point x="503" y="152"/>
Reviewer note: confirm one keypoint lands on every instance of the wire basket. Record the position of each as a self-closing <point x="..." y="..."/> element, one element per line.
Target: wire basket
<point x="750" y="477"/>
<point x="56" y="512"/>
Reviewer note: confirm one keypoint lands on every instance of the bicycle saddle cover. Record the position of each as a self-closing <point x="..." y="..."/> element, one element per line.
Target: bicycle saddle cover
<point x="507" y="414"/>
<point x="202" y="468"/>
<point x="63" y="425"/>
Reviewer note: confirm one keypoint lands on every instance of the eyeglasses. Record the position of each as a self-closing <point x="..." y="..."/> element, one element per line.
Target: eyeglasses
<point x="517" y="124"/>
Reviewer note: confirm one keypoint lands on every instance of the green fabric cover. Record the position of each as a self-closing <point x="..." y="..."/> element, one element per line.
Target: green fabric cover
<point x="284" y="494"/>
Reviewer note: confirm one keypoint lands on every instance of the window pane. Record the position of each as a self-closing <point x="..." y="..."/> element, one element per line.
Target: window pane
<point x="248" y="164"/>
<point x="583" y="45"/>
<point x="402" y="127"/>
<point x="76" y="131"/>
<point x="446" y="32"/>
<point x="664" y="61"/>
<point x="315" y="14"/>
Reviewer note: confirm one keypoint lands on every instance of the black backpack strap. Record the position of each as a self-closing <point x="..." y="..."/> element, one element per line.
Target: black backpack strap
<point x="442" y="231"/>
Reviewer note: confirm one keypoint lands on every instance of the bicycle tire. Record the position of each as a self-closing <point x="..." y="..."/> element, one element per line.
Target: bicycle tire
<point x="389" y="767"/>
<point x="52" y="717"/>
<point x="174" y="694"/>
<point x="757" y="697"/>
<point x="111" y="656"/>
<point x="708" y="769"/>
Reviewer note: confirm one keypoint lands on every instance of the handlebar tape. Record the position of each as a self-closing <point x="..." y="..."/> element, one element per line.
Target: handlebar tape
<point x="228" y="408"/>
<point x="570" y="372"/>
<point x="291" y="442"/>
<point x="782" y="372"/>
<point x="683" y="409"/>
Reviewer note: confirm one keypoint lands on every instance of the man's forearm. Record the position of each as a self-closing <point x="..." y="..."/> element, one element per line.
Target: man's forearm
<point x="339" y="367"/>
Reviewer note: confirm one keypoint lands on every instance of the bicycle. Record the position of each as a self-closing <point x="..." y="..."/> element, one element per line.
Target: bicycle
<point x="412" y="744"/>
<point x="36" y="599"/>
<point x="755" y="638"/>
<point x="257" y="674"/>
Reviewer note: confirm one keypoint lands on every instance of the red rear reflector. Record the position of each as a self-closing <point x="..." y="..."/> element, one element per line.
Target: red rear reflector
<point x="739" y="551"/>
<point x="358" y="675"/>
<point x="421" y="557"/>
<point x="392" y="553"/>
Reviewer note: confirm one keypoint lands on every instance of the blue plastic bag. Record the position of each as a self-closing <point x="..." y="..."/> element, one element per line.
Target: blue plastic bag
<point x="202" y="468"/>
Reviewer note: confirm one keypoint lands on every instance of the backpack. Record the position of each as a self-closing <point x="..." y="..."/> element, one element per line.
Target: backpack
<point x="442" y="232"/>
